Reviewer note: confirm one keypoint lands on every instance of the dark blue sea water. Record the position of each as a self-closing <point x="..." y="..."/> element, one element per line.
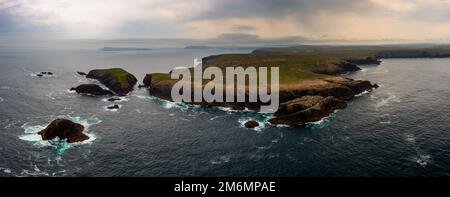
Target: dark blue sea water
<point x="400" y="129"/>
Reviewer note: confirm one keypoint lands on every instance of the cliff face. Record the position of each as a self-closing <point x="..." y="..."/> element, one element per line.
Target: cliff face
<point x="147" y="80"/>
<point x="301" y="103"/>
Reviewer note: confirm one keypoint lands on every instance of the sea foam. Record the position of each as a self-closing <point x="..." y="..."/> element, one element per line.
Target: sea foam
<point x="324" y="122"/>
<point x="120" y="99"/>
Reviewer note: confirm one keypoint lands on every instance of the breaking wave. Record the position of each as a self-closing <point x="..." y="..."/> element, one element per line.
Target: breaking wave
<point x="423" y="160"/>
<point x="259" y="128"/>
<point x="324" y="122"/>
<point x="221" y="160"/>
<point x="116" y="99"/>
<point x="363" y="93"/>
<point x="388" y="100"/>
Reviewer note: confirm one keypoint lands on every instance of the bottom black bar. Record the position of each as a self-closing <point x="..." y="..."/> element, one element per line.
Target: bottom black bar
<point x="209" y="186"/>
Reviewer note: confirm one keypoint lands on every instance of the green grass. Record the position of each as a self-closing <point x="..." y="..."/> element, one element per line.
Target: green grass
<point x="160" y="76"/>
<point x="118" y="74"/>
<point x="301" y="63"/>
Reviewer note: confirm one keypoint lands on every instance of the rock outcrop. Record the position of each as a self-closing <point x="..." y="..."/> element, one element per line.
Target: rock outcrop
<point x="92" y="89"/>
<point x="113" y="107"/>
<point x="64" y="129"/>
<point x="116" y="79"/>
<point x="251" y="124"/>
<point x="44" y="73"/>
<point x="47" y="73"/>
<point x="113" y="99"/>
<point x="306" y="109"/>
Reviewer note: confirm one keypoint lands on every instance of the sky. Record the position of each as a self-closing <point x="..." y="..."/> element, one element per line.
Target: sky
<point x="420" y="20"/>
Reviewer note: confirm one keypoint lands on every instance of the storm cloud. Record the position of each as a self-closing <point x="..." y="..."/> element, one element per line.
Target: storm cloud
<point x="249" y="20"/>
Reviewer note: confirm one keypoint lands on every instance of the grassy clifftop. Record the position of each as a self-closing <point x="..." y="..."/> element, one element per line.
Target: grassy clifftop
<point x="293" y="68"/>
<point x="356" y="52"/>
<point x="118" y="74"/>
<point x="116" y="79"/>
<point x="310" y="62"/>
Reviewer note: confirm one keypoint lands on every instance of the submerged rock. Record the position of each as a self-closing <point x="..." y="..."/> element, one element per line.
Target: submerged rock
<point x="64" y="129"/>
<point x="46" y="73"/>
<point x="113" y="99"/>
<point x="116" y="79"/>
<point x="306" y="109"/>
<point x="238" y="108"/>
<point x="113" y="107"/>
<point x="251" y="124"/>
<point x="92" y="89"/>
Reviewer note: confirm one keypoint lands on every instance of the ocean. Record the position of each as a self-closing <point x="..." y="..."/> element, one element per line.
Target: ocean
<point x="399" y="129"/>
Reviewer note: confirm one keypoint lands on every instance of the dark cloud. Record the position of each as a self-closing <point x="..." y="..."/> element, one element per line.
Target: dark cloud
<point x="319" y="19"/>
<point x="279" y="8"/>
<point x="241" y="39"/>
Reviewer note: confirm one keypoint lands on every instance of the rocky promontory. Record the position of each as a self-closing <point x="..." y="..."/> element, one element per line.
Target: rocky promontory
<point x="306" y="109"/>
<point x="116" y="79"/>
<point x="309" y="88"/>
<point x="301" y="103"/>
<point x="371" y="60"/>
<point x="64" y="129"/>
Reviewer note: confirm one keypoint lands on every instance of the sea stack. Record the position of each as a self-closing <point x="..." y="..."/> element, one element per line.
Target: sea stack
<point x="64" y="129"/>
<point x="116" y="79"/>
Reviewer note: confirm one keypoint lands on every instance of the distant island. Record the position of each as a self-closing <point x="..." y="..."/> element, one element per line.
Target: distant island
<point x="124" y="49"/>
<point x="201" y="47"/>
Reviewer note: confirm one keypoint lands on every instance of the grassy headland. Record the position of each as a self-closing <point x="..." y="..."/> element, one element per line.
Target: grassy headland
<point x="307" y="72"/>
